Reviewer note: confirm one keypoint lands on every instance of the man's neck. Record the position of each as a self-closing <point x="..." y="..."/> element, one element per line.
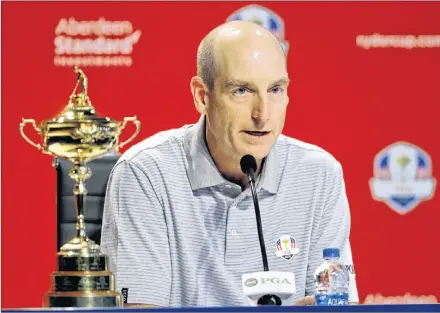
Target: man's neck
<point x="239" y="179"/>
<point x="230" y="168"/>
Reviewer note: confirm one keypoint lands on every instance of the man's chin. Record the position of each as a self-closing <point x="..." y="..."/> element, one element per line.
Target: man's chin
<point x="258" y="153"/>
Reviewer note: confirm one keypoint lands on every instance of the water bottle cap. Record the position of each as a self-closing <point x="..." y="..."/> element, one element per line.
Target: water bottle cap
<point x="331" y="253"/>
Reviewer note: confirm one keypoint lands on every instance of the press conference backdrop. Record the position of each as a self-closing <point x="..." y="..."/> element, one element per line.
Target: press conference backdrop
<point x="365" y="81"/>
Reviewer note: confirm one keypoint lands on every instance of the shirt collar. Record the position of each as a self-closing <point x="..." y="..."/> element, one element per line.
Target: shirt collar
<point x="203" y="173"/>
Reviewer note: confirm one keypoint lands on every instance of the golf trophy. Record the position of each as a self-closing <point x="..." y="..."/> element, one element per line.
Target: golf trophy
<point x="80" y="134"/>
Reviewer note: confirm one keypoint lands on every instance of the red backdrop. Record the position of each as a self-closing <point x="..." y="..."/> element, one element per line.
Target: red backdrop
<point x="351" y="95"/>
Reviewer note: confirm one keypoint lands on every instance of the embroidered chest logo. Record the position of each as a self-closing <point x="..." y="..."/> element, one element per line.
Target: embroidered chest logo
<point x="286" y="247"/>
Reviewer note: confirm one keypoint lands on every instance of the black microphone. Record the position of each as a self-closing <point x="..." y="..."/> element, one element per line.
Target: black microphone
<point x="273" y="293"/>
<point x="248" y="165"/>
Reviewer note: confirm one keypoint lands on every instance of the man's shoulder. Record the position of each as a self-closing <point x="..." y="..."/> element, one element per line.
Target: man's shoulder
<point x="157" y="146"/>
<point x="305" y="153"/>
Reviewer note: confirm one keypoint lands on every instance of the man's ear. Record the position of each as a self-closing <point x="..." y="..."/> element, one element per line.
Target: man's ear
<point x="200" y="94"/>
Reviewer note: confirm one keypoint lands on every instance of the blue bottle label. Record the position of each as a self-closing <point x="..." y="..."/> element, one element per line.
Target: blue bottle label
<point x="331" y="299"/>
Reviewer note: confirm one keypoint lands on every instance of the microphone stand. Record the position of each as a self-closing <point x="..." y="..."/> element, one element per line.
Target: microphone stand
<point x="251" y="177"/>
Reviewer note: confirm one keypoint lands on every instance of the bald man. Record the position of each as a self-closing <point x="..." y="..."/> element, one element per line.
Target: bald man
<point x="179" y="223"/>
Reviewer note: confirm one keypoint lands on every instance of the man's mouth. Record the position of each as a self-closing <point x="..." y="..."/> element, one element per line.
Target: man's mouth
<point x="256" y="133"/>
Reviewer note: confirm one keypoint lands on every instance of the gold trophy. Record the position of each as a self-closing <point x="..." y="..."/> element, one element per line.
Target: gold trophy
<point x="80" y="135"/>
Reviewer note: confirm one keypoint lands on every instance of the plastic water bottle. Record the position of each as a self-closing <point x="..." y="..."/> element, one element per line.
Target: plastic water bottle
<point x="331" y="280"/>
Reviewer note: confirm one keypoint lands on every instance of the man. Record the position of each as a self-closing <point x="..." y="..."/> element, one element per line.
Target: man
<point x="179" y="223"/>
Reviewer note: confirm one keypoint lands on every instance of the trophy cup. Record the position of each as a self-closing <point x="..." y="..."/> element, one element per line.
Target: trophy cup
<point x="80" y="135"/>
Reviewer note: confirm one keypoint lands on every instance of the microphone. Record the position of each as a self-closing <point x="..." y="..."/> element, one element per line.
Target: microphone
<point x="267" y="287"/>
<point x="248" y="166"/>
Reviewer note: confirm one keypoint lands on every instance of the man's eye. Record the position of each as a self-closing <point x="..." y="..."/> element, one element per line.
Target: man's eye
<point x="240" y="91"/>
<point x="277" y="90"/>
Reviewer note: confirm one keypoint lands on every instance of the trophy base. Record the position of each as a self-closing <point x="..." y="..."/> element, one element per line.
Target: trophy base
<point x="89" y="299"/>
<point x="82" y="281"/>
<point x="82" y="263"/>
<point x="82" y="278"/>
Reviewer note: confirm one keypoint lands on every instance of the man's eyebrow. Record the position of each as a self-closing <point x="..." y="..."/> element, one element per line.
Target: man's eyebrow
<point x="237" y="83"/>
<point x="282" y="81"/>
<point x="241" y="83"/>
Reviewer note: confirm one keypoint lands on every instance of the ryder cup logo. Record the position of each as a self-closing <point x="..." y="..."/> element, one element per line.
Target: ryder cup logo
<point x="264" y="17"/>
<point x="286" y="247"/>
<point x="402" y="177"/>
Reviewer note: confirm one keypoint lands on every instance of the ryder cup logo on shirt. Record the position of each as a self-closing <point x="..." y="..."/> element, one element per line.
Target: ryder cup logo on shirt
<point x="402" y="177"/>
<point x="286" y="247"/>
<point x="264" y="17"/>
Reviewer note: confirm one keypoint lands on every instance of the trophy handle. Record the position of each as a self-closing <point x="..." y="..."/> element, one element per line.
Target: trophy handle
<point x="22" y="125"/>
<point x="138" y="128"/>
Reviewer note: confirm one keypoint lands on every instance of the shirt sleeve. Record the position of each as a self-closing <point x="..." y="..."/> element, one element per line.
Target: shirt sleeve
<point x="135" y="238"/>
<point x="333" y="231"/>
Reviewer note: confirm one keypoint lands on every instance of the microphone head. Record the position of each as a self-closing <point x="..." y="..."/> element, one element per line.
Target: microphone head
<point x="248" y="162"/>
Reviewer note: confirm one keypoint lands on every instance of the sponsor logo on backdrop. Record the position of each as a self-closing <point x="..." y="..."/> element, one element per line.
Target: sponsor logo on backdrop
<point x="99" y="42"/>
<point x="405" y="299"/>
<point x="398" y="41"/>
<point x="402" y="177"/>
<point x="264" y="17"/>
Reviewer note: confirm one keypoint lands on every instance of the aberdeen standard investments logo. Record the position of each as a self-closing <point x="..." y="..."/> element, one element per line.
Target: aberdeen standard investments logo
<point x="98" y="42"/>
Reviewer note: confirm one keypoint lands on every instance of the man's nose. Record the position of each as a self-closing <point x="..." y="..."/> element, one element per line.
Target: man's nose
<point x="261" y="110"/>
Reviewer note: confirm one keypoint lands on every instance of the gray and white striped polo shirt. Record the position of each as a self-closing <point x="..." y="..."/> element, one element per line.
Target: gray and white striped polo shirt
<point x="178" y="234"/>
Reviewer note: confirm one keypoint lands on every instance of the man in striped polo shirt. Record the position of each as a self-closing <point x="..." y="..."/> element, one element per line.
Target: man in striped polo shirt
<point x="179" y="223"/>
